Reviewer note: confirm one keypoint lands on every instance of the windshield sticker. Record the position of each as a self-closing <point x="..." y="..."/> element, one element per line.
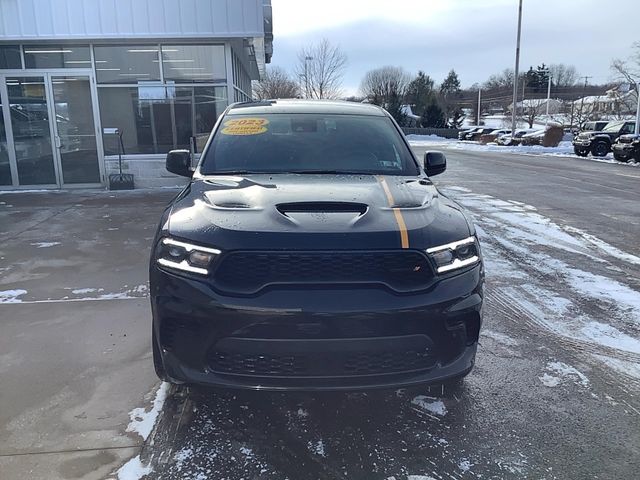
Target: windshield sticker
<point x="245" y="126"/>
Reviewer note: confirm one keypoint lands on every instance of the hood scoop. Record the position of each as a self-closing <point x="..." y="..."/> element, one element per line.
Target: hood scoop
<point x="322" y="214"/>
<point x="322" y="207"/>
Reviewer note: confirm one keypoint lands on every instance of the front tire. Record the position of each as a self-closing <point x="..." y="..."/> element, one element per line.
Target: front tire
<point x="620" y="158"/>
<point x="580" y="152"/>
<point x="600" y="149"/>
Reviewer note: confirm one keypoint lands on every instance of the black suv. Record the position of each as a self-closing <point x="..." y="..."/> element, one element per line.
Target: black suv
<point x="599" y="142"/>
<point x="627" y="147"/>
<point x="312" y="251"/>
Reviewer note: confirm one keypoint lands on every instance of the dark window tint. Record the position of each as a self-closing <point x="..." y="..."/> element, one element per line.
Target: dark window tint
<point x="10" y="57"/>
<point x="279" y="143"/>
<point x="61" y="56"/>
<point x="127" y="64"/>
<point x="156" y="119"/>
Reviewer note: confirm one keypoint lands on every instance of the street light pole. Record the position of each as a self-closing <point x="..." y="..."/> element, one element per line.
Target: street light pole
<point x="637" y="130"/>
<point x="548" y="97"/>
<point x="307" y="59"/>
<point x="516" y="72"/>
<point x="479" y="103"/>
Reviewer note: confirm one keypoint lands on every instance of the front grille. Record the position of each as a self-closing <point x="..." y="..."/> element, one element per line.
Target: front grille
<point x="249" y="272"/>
<point x="320" y="363"/>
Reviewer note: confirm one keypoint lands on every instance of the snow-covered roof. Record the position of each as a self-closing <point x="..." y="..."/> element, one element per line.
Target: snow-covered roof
<point x="406" y="110"/>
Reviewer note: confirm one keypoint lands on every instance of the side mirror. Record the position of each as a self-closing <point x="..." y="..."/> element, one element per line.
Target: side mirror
<point x="179" y="162"/>
<point x="434" y="163"/>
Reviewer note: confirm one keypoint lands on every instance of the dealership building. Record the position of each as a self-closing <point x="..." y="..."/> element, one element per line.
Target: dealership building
<point x="84" y="81"/>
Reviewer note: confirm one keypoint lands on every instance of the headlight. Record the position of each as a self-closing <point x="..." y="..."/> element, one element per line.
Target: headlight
<point x="186" y="257"/>
<point x="454" y="255"/>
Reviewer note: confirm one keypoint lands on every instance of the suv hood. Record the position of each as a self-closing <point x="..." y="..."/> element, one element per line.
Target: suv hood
<point x="308" y="211"/>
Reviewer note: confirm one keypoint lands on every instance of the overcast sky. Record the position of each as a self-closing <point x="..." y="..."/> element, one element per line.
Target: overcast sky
<point x="475" y="37"/>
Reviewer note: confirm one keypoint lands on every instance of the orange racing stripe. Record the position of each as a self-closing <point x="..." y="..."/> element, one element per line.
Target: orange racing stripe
<point x="404" y="235"/>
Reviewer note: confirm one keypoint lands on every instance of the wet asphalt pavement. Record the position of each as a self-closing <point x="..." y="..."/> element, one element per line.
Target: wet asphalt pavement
<point x="554" y="394"/>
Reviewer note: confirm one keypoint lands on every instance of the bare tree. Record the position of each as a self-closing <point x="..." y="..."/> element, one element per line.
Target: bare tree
<point x="321" y="68"/>
<point x="563" y="75"/>
<point x="628" y="70"/>
<point x="387" y="87"/>
<point x="276" y="83"/>
<point x="381" y="84"/>
<point x="532" y="108"/>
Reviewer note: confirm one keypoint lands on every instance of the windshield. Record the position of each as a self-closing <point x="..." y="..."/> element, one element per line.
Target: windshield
<point x="613" y="127"/>
<point x="308" y="143"/>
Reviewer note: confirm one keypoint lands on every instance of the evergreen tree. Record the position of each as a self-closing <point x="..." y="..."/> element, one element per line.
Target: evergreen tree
<point x="394" y="107"/>
<point x="450" y="93"/>
<point x="420" y="93"/>
<point x="433" y="116"/>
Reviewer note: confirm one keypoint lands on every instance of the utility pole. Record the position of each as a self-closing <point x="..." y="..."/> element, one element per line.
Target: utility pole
<point x="479" y="101"/>
<point x="584" y="92"/>
<point x="516" y="72"/>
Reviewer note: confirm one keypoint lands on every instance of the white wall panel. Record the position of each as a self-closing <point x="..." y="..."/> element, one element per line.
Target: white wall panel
<point x="95" y="19"/>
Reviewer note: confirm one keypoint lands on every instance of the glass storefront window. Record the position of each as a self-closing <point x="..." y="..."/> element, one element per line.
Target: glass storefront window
<point x="193" y="63"/>
<point x="156" y="119"/>
<point x="57" y="56"/>
<point x="127" y="64"/>
<point x="5" y="168"/>
<point x="10" y="57"/>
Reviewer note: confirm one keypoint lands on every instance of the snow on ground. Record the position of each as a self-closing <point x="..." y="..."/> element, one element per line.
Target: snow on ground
<point x="82" y="291"/>
<point x="45" y="244"/>
<point x="561" y="278"/>
<point x="564" y="149"/>
<point x="430" y="404"/>
<point x="559" y="371"/>
<point x="133" y="470"/>
<point x="142" y="421"/>
<point x="11" y="296"/>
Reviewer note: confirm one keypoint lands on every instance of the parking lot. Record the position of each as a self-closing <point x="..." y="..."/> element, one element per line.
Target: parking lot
<point x="554" y="394"/>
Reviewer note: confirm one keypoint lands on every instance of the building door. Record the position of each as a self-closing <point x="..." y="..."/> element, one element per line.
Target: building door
<point x="50" y="130"/>
<point x="74" y="129"/>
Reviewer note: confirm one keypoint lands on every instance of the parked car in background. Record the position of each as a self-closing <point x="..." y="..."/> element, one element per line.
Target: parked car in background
<point x="475" y="135"/>
<point x="491" y="137"/>
<point x="627" y="147"/>
<point x="532" y="138"/>
<point x="515" y="139"/>
<point x="462" y="133"/>
<point x="598" y="143"/>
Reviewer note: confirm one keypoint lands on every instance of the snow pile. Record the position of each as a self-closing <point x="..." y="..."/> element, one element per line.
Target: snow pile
<point x="11" y="296"/>
<point x="142" y="422"/>
<point x="133" y="470"/>
<point x="430" y="404"/>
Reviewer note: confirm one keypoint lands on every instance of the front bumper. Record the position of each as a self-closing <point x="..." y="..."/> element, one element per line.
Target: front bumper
<point x="582" y="144"/>
<point x="316" y="337"/>
<point x="625" y="150"/>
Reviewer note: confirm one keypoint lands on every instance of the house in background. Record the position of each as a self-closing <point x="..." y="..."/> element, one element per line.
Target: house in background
<point x="158" y="71"/>
<point x="539" y="105"/>
<point x="621" y="100"/>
